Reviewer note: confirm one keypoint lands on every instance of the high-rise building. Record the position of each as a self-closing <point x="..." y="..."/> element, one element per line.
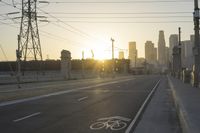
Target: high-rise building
<point x="173" y="41"/>
<point x="132" y="54"/>
<point x="161" y="49"/>
<point x="150" y="52"/>
<point x="121" y="55"/>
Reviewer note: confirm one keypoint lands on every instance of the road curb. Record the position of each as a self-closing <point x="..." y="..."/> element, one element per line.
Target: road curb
<point x="138" y="116"/>
<point x="182" y="115"/>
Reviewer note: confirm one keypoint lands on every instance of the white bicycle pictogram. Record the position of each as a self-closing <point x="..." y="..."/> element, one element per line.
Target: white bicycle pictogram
<point x="113" y="123"/>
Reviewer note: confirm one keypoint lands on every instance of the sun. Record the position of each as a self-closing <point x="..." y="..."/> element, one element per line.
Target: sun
<point x="102" y="52"/>
<point x="97" y="50"/>
<point x="99" y="54"/>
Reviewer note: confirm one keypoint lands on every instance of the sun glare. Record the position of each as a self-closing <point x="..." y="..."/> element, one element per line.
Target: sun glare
<point x="99" y="51"/>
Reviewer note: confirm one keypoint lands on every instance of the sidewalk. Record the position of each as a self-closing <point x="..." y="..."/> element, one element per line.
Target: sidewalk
<point x="160" y="114"/>
<point x="187" y="100"/>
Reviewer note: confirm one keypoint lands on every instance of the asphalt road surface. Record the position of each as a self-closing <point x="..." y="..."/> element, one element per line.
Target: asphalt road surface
<point x="103" y="108"/>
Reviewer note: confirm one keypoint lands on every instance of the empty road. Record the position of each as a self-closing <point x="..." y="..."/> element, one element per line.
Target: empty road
<point x="101" y="108"/>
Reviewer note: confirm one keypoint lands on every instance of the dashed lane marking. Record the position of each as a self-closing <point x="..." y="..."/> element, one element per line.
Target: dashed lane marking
<point x="26" y="117"/>
<point x="81" y="99"/>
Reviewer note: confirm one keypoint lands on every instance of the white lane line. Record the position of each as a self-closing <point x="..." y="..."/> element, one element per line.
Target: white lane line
<point x="81" y="99"/>
<point x="26" y="117"/>
<point x="59" y="93"/>
<point x="128" y="130"/>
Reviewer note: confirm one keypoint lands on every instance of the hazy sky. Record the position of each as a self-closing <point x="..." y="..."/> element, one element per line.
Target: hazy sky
<point x="85" y="26"/>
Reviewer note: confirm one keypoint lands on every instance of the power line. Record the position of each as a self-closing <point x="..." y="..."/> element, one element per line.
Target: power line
<point x="58" y="20"/>
<point x="74" y="28"/>
<point x="6" y="3"/>
<point x="8" y="24"/>
<point x="117" y="13"/>
<point x="62" y="27"/>
<point x="14" y="6"/>
<point x="126" y="21"/>
<point x="58" y="37"/>
<point x="95" y="17"/>
<point x="114" y="2"/>
<point x="50" y="34"/>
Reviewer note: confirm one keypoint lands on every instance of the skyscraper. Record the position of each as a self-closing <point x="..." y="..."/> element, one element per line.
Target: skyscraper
<point x="161" y="49"/>
<point x="173" y="41"/>
<point x="132" y="54"/>
<point x="150" y="52"/>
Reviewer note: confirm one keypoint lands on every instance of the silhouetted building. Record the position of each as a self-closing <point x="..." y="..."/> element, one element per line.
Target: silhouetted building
<point x="121" y="55"/>
<point x="161" y="49"/>
<point x="150" y="52"/>
<point x="173" y="41"/>
<point x="132" y="54"/>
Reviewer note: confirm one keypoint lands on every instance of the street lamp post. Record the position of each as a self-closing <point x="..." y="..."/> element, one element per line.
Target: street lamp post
<point x="196" y="45"/>
<point x="113" y="61"/>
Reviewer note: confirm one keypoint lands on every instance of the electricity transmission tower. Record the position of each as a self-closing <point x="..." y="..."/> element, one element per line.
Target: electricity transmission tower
<point x="29" y="47"/>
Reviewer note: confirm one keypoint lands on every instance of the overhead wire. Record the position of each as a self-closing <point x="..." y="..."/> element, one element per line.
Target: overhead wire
<point x="75" y="43"/>
<point x="119" y="17"/>
<point x="116" y="2"/>
<point x="74" y="28"/>
<point x="59" y="37"/>
<point x="146" y="22"/>
<point x="117" y="13"/>
<point x="111" y="13"/>
<point x="8" y="24"/>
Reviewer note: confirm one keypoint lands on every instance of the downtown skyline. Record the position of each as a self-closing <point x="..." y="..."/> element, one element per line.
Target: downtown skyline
<point x="92" y="29"/>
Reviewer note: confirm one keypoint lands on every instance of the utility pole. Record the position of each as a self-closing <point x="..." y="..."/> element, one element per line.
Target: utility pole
<point x="18" y="54"/>
<point x="179" y="52"/>
<point x="135" y="60"/>
<point x="29" y="40"/>
<point x="92" y="52"/>
<point x="82" y="66"/>
<point x="179" y="36"/>
<point x="112" y="48"/>
<point x="113" y="61"/>
<point x="196" y="50"/>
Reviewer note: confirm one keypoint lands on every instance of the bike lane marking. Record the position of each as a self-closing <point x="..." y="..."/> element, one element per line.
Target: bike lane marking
<point x="26" y="117"/>
<point x="136" y="118"/>
<point x="113" y="123"/>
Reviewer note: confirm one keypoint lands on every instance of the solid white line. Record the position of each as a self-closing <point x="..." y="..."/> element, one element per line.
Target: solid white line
<point x="141" y="109"/>
<point x="58" y="93"/>
<point x="81" y="99"/>
<point x="26" y="117"/>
